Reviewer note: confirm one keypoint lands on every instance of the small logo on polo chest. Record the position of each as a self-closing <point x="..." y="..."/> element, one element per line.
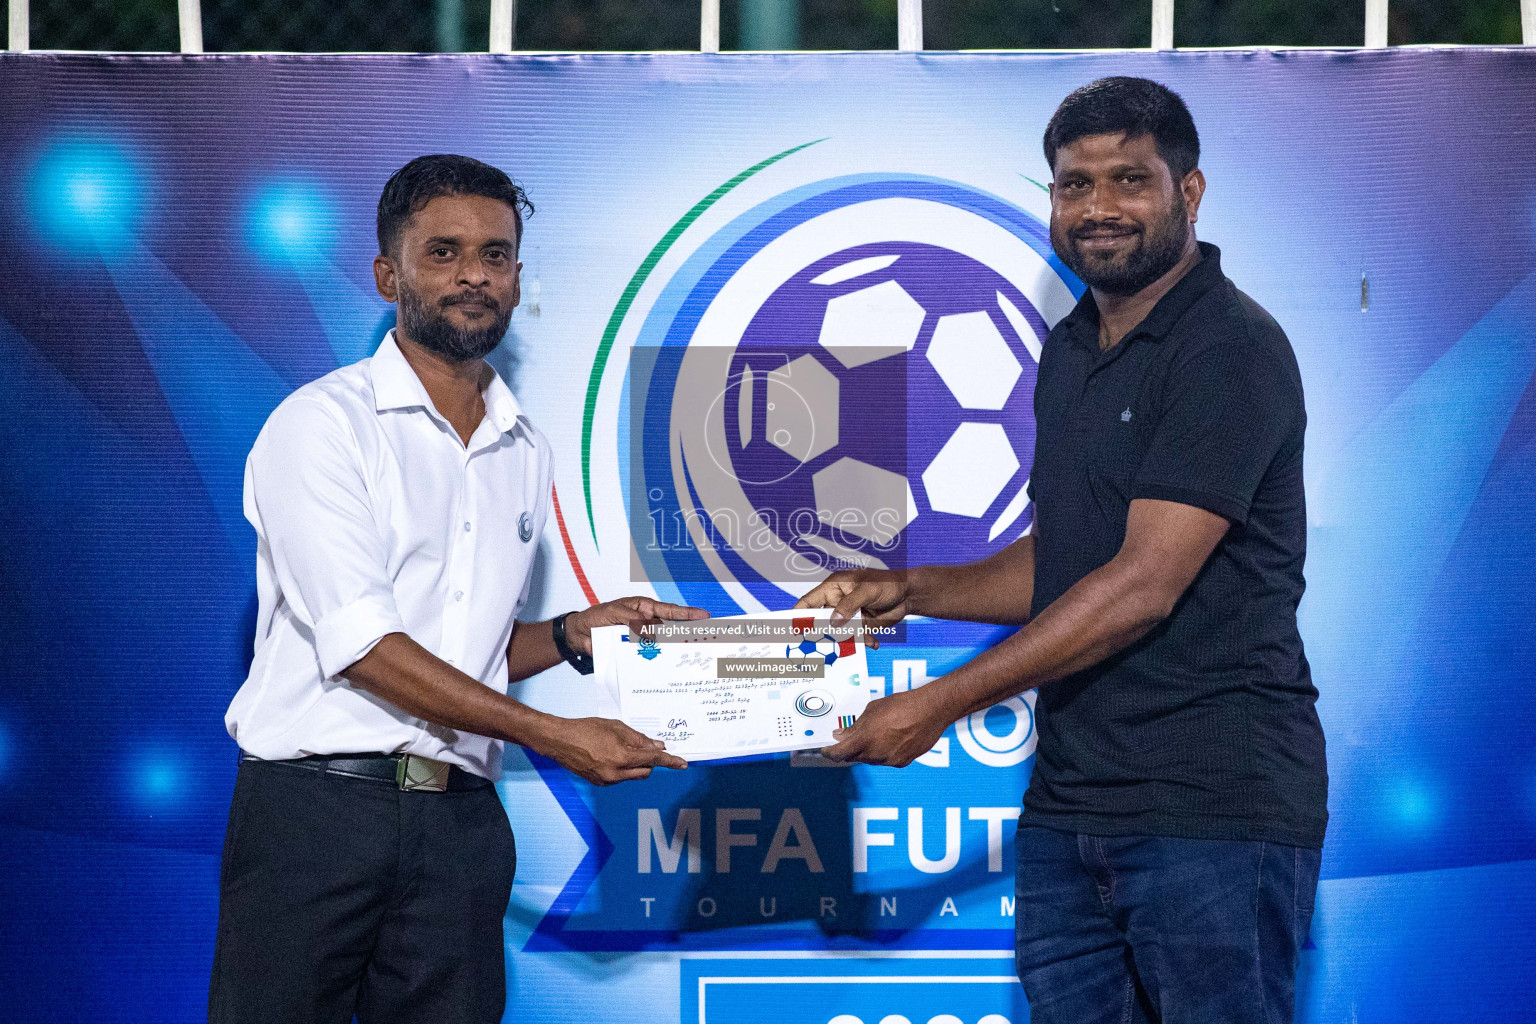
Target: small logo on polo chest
<point x="1125" y="417"/>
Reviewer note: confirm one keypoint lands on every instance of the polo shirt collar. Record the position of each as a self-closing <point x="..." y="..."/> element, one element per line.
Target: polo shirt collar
<point x="500" y="407"/>
<point x="1083" y="321"/>
<point x="396" y="386"/>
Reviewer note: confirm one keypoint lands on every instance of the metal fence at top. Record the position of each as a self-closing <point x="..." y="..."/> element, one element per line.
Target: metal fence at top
<point x="565" y="25"/>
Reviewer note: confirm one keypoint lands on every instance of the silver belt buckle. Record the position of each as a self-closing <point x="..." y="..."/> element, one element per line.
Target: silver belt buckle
<point x="416" y="773"/>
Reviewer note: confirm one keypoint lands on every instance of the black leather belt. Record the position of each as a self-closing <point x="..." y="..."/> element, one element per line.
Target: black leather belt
<point x="410" y="772"/>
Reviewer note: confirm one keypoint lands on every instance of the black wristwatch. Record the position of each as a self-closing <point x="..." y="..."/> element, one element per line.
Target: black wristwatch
<point x="580" y="662"/>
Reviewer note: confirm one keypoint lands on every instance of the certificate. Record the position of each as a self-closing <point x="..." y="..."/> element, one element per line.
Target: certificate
<point x="768" y="683"/>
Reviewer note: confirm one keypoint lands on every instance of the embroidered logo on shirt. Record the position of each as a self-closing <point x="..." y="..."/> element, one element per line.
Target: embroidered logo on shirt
<point x="1125" y="417"/>
<point x="525" y="527"/>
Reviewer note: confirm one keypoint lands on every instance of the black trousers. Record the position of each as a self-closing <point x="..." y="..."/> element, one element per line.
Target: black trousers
<point x="343" y="896"/>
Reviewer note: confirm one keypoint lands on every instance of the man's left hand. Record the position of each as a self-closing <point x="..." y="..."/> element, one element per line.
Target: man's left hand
<point x="579" y="625"/>
<point x="894" y="730"/>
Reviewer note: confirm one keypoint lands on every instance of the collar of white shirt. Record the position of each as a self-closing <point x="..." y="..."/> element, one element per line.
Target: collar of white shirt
<point x="396" y="386"/>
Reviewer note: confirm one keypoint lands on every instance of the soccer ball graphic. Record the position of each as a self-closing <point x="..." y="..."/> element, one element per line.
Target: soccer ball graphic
<point x="823" y="646"/>
<point x="879" y="406"/>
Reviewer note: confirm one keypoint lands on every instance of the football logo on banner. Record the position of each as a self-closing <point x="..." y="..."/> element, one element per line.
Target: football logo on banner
<point x="840" y="377"/>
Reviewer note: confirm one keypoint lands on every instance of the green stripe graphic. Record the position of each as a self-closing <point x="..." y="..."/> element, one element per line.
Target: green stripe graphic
<point x="605" y="347"/>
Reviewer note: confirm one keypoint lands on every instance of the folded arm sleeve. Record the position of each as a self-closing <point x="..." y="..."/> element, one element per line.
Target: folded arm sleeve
<point x="305" y="494"/>
<point x="1227" y="413"/>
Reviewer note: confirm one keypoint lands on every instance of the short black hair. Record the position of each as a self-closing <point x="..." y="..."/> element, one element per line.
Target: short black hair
<point x="1135" y="106"/>
<point x="428" y="177"/>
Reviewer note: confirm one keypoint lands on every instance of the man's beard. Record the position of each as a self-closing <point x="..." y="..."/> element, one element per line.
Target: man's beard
<point x="430" y="328"/>
<point x="1157" y="250"/>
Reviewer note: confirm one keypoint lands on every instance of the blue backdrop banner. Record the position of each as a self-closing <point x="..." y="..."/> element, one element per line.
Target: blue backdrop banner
<point x="184" y="241"/>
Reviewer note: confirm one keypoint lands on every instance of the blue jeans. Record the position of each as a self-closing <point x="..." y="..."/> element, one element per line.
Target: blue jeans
<point x="1149" y="928"/>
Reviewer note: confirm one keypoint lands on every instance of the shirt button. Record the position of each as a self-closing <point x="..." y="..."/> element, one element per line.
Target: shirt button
<point x="466" y="527"/>
<point x="458" y="595"/>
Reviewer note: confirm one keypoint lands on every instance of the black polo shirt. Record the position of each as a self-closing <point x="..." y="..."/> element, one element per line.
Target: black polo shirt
<point x="1206" y="727"/>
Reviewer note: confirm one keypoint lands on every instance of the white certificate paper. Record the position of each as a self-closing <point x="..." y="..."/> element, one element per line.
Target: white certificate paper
<point x="675" y="691"/>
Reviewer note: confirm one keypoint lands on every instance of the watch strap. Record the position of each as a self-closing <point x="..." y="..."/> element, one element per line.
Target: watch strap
<point x="580" y="662"/>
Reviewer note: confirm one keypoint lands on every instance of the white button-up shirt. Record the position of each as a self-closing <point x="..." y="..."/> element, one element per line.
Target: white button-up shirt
<point x="373" y="517"/>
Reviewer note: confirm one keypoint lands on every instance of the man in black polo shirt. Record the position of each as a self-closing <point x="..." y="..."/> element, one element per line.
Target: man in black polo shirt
<point x="1169" y="845"/>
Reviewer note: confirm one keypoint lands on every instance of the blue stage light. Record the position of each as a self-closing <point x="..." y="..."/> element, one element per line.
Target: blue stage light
<point x="157" y="780"/>
<point x="1414" y="804"/>
<point x="291" y="223"/>
<point x="86" y="191"/>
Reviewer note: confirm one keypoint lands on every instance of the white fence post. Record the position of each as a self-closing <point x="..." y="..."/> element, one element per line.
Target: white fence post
<point x="20" y="35"/>
<point x="1162" y="24"/>
<point x="503" y="17"/>
<point x="1528" y="22"/>
<point x="1375" y="24"/>
<point x="909" y="24"/>
<point x="189" y="18"/>
<point x="709" y="26"/>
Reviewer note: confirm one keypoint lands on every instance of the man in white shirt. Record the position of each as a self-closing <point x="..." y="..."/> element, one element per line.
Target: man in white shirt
<point x="397" y="502"/>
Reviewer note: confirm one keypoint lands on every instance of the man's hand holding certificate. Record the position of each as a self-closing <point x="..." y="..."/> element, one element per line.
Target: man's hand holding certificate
<point x="717" y="688"/>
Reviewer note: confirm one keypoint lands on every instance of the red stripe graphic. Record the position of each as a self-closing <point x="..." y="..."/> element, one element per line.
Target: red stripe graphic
<point x="570" y="552"/>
